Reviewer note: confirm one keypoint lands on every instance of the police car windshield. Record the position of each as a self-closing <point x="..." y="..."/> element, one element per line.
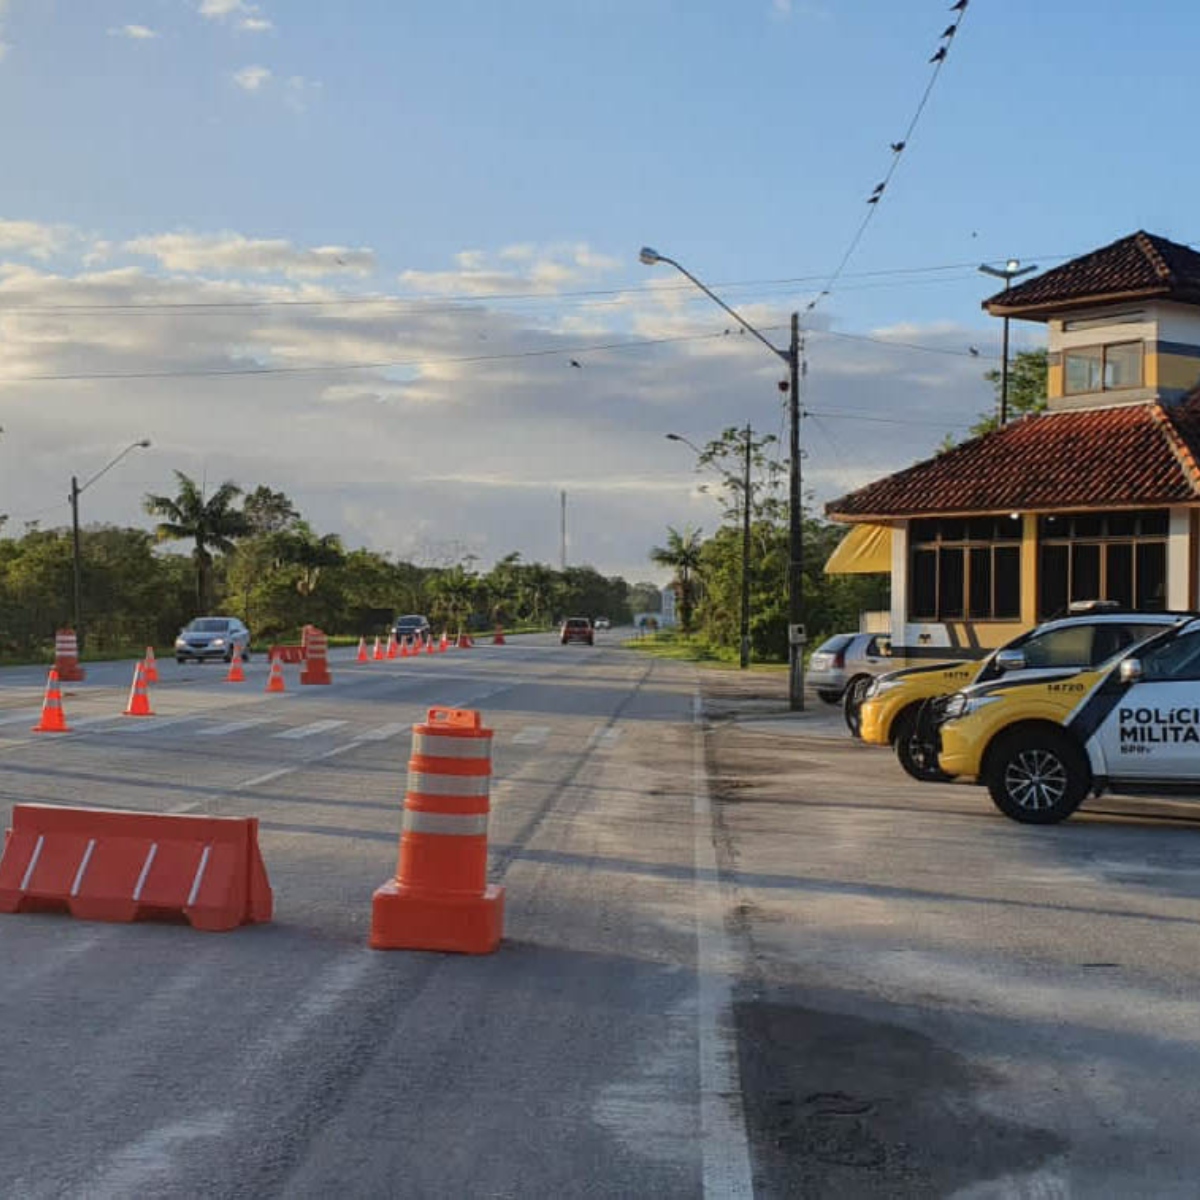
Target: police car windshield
<point x="208" y="625"/>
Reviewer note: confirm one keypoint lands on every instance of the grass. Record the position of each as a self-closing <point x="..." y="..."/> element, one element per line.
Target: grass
<point x="683" y="648"/>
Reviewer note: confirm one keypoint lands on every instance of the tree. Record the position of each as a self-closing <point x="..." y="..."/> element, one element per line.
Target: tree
<point x="267" y="511"/>
<point x="645" y="597"/>
<point x="214" y="525"/>
<point x="682" y="554"/>
<point x="1026" y="389"/>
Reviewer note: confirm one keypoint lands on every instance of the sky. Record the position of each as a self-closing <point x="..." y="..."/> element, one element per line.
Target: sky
<point x="354" y="252"/>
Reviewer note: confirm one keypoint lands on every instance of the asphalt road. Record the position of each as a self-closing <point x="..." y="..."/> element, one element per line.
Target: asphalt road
<point x="289" y="1059"/>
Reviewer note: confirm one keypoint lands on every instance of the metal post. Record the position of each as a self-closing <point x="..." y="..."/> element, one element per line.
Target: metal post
<point x="1004" y="377"/>
<point x="77" y="561"/>
<point x="745" y="650"/>
<point x="795" y="529"/>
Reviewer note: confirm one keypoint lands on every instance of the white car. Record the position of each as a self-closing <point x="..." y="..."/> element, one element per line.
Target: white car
<point x="601" y="623"/>
<point x="212" y="637"/>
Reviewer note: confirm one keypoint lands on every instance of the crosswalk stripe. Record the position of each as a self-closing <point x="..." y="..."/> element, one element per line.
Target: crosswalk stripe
<point x="531" y="735"/>
<point x="232" y="727"/>
<point x="382" y="733"/>
<point x="303" y="731"/>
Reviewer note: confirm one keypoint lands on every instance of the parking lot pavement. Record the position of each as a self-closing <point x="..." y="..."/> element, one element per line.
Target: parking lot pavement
<point x="937" y="1001"/>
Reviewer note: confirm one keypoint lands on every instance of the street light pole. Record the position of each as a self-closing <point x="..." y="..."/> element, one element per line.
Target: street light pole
<point x="76" y="550"/>
<point x="744" y="655"/>
<point x="1011" y="270"/>
<point x="795" y="577"/>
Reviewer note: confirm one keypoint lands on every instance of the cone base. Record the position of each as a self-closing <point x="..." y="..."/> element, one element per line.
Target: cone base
<point x="402" y="920"/>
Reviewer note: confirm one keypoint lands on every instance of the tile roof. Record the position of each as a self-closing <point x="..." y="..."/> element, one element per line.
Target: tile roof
<point x="1141" y="266"/>
<point x="1129" y="456"/>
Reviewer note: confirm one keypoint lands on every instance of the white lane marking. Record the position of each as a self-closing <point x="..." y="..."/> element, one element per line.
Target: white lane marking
<point x="276" y="774"/>
<point x="303" y="731"/>
<point x="603" y="737"/>
<point x="382" y="733"/>
<point x="531" y="735"/>
<point x="232" y="727"/>
<point x="724" y="1147"/>
<point x="144" y="1165"/>
<point x="154" y="723"/>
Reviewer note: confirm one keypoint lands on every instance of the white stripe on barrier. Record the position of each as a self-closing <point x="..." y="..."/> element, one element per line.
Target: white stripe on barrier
<point x="37" y="853"/>
<point x="439" y="745"/>
<point x="83" y="866"/>
<point x="447" y="785"/>
<point x="199" y="876"/>
<point x="450" y="824"/>
<point x="141" y="883"/>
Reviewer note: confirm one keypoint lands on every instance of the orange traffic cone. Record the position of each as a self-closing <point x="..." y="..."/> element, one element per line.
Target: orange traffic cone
<point x="151" y="671"/>
<point x="377" y="654"/>
<point x="275" y="680"/>
<point x="139" y="701"/>
<point x="362" y="650"/>
<point x="53" y="720"/>
<point x="429" y="647"/>
<point x="498" y="640"/>
<point x="443" y="643"/>
<point x="235" y="674"/>
<point x="392" y="649"/>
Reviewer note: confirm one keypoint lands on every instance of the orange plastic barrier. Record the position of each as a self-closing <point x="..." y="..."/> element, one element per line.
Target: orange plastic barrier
<point x="275" y="679"/>
<point x="151" y="664"/>
<point x="316" y="656"/>
<point x="235" y="674"/>
<point x="66" y="657"/>
<point x="102" y="865"/>
<point x="139" y="699"/>
<point x="440" y="898"/>
<point x="287" y="653"/>
<point x="53" y="719"/>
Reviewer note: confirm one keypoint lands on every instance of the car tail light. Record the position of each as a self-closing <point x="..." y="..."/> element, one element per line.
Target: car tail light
<point x="839" y="659"/>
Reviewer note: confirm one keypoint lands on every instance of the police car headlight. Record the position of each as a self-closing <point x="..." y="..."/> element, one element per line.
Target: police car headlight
<point x="218" y="641"/>
<point x="961" y="704"/>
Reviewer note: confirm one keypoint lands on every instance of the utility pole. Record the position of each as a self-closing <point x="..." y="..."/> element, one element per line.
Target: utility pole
<point x="744" y="659"/>
<point x="77" y="560"/>
<point x="563" y="533"/>
<point x="796" y="631"/>
<point x="1011" y="270"/>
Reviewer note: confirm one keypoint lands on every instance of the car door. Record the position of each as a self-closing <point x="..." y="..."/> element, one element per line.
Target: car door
<point x="1151" y="735"/>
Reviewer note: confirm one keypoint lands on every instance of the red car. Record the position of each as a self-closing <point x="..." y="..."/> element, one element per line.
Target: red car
<point x="577" y="629"/>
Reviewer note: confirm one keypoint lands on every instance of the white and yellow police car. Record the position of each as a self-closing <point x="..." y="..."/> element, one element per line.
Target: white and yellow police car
<point x="1042" y="746"/>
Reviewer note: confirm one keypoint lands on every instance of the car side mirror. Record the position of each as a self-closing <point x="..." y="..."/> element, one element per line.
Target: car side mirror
<point x="1010" y="660"/>
<point x="1131" y="670"/>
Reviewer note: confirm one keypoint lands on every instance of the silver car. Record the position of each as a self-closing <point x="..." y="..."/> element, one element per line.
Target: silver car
<point x="848" y="658"/>
<point x="212" y="637"/>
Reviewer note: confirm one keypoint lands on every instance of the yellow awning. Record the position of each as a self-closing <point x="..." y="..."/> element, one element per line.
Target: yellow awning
<point x="865" y="550"/>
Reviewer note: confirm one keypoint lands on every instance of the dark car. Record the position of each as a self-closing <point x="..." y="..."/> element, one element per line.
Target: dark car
<point x="212" y="637"/>
<point x="410" y="627"/>
<point x="577" y="629"/>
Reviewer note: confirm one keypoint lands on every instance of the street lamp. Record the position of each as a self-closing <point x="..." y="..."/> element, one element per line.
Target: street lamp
<point x="744" y="650"/>
<point x="1010" y="271"/>
<point x="77" y="557"/>
<point x="795" y="577"/>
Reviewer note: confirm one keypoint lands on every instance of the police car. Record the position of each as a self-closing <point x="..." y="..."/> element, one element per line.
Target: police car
<point x="891" y="711"/>
<point x="1042" y="746"/>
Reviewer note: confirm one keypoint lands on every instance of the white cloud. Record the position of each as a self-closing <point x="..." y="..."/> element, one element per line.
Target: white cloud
<point x="249" y="17"/>
<point x="136" y="33"/>
<point x="234" y="254"/>
<point x="252" y="78"/>
<point x="518" y="268"/>
<point x="255" y="25"/>
<point x="33" y="238"/>
<point x="218" y="9"/>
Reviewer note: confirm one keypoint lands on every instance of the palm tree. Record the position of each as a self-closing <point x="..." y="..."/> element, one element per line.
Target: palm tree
<point x="213" y="524"/>
<point x="682" y="555"/>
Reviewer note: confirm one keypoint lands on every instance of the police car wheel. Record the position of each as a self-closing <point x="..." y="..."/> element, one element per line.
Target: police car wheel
<point x="917" y="758"/>
<point x="856" y="691"/>
<point x="1037" y="778"/>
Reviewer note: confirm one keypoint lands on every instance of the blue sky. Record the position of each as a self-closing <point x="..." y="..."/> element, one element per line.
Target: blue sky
<point x="487" y="173"/>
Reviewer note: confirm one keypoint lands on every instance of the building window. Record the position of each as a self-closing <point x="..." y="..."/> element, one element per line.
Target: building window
<point x="965" y="569"/>
<point x="1120" y="556"/>
<point x="1103" y="368"/>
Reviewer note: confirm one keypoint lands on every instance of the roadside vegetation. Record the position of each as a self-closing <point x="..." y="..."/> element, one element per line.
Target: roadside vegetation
<point x="252" y="555"/>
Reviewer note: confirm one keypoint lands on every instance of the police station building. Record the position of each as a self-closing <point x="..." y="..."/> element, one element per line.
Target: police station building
<point x="1097" y="498"/>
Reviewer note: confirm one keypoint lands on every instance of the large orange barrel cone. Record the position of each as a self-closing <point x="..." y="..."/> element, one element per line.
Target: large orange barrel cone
<point x="316" y="656"/>
<point x="362" y="650"/>
<point x="235" y="674"/>
<point x="275" y="679"/>
<point x="440" y="898"/>
<point x="151" y="671"/>
<point x="66" y="657"/>
<point x="377" y="654"/>
<point x="139" y="700"/>
<point x="53" y="719"/>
